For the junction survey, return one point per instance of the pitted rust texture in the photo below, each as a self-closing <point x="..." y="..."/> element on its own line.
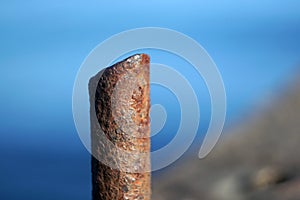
<point x="122" y="104"/>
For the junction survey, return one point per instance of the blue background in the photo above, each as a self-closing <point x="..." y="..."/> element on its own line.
<point x="255" y="44"/>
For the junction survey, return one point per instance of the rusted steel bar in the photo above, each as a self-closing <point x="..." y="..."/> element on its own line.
<point x="120" y="131"/>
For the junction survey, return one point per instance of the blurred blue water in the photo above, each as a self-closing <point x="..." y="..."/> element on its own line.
<point x="255" y="45"/>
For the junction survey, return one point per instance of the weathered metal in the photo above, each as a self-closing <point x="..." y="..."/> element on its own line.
<point x="120" y="130"/>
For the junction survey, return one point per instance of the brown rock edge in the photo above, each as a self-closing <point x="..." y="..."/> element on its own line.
<point x="120" y="104"/>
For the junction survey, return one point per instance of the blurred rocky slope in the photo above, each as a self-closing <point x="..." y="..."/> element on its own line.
<point x="257" y="160"/>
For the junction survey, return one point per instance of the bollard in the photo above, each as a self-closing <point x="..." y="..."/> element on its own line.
<point x="120" y="130"/>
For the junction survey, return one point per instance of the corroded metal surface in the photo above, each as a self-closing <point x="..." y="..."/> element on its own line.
<point x="120" y="130"/>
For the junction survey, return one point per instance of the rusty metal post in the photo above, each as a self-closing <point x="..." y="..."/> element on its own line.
<point x="120" y="131"/>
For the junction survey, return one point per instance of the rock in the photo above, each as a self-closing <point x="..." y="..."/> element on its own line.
<point x="265" y="149"/>
<point x="267" y="176"/>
